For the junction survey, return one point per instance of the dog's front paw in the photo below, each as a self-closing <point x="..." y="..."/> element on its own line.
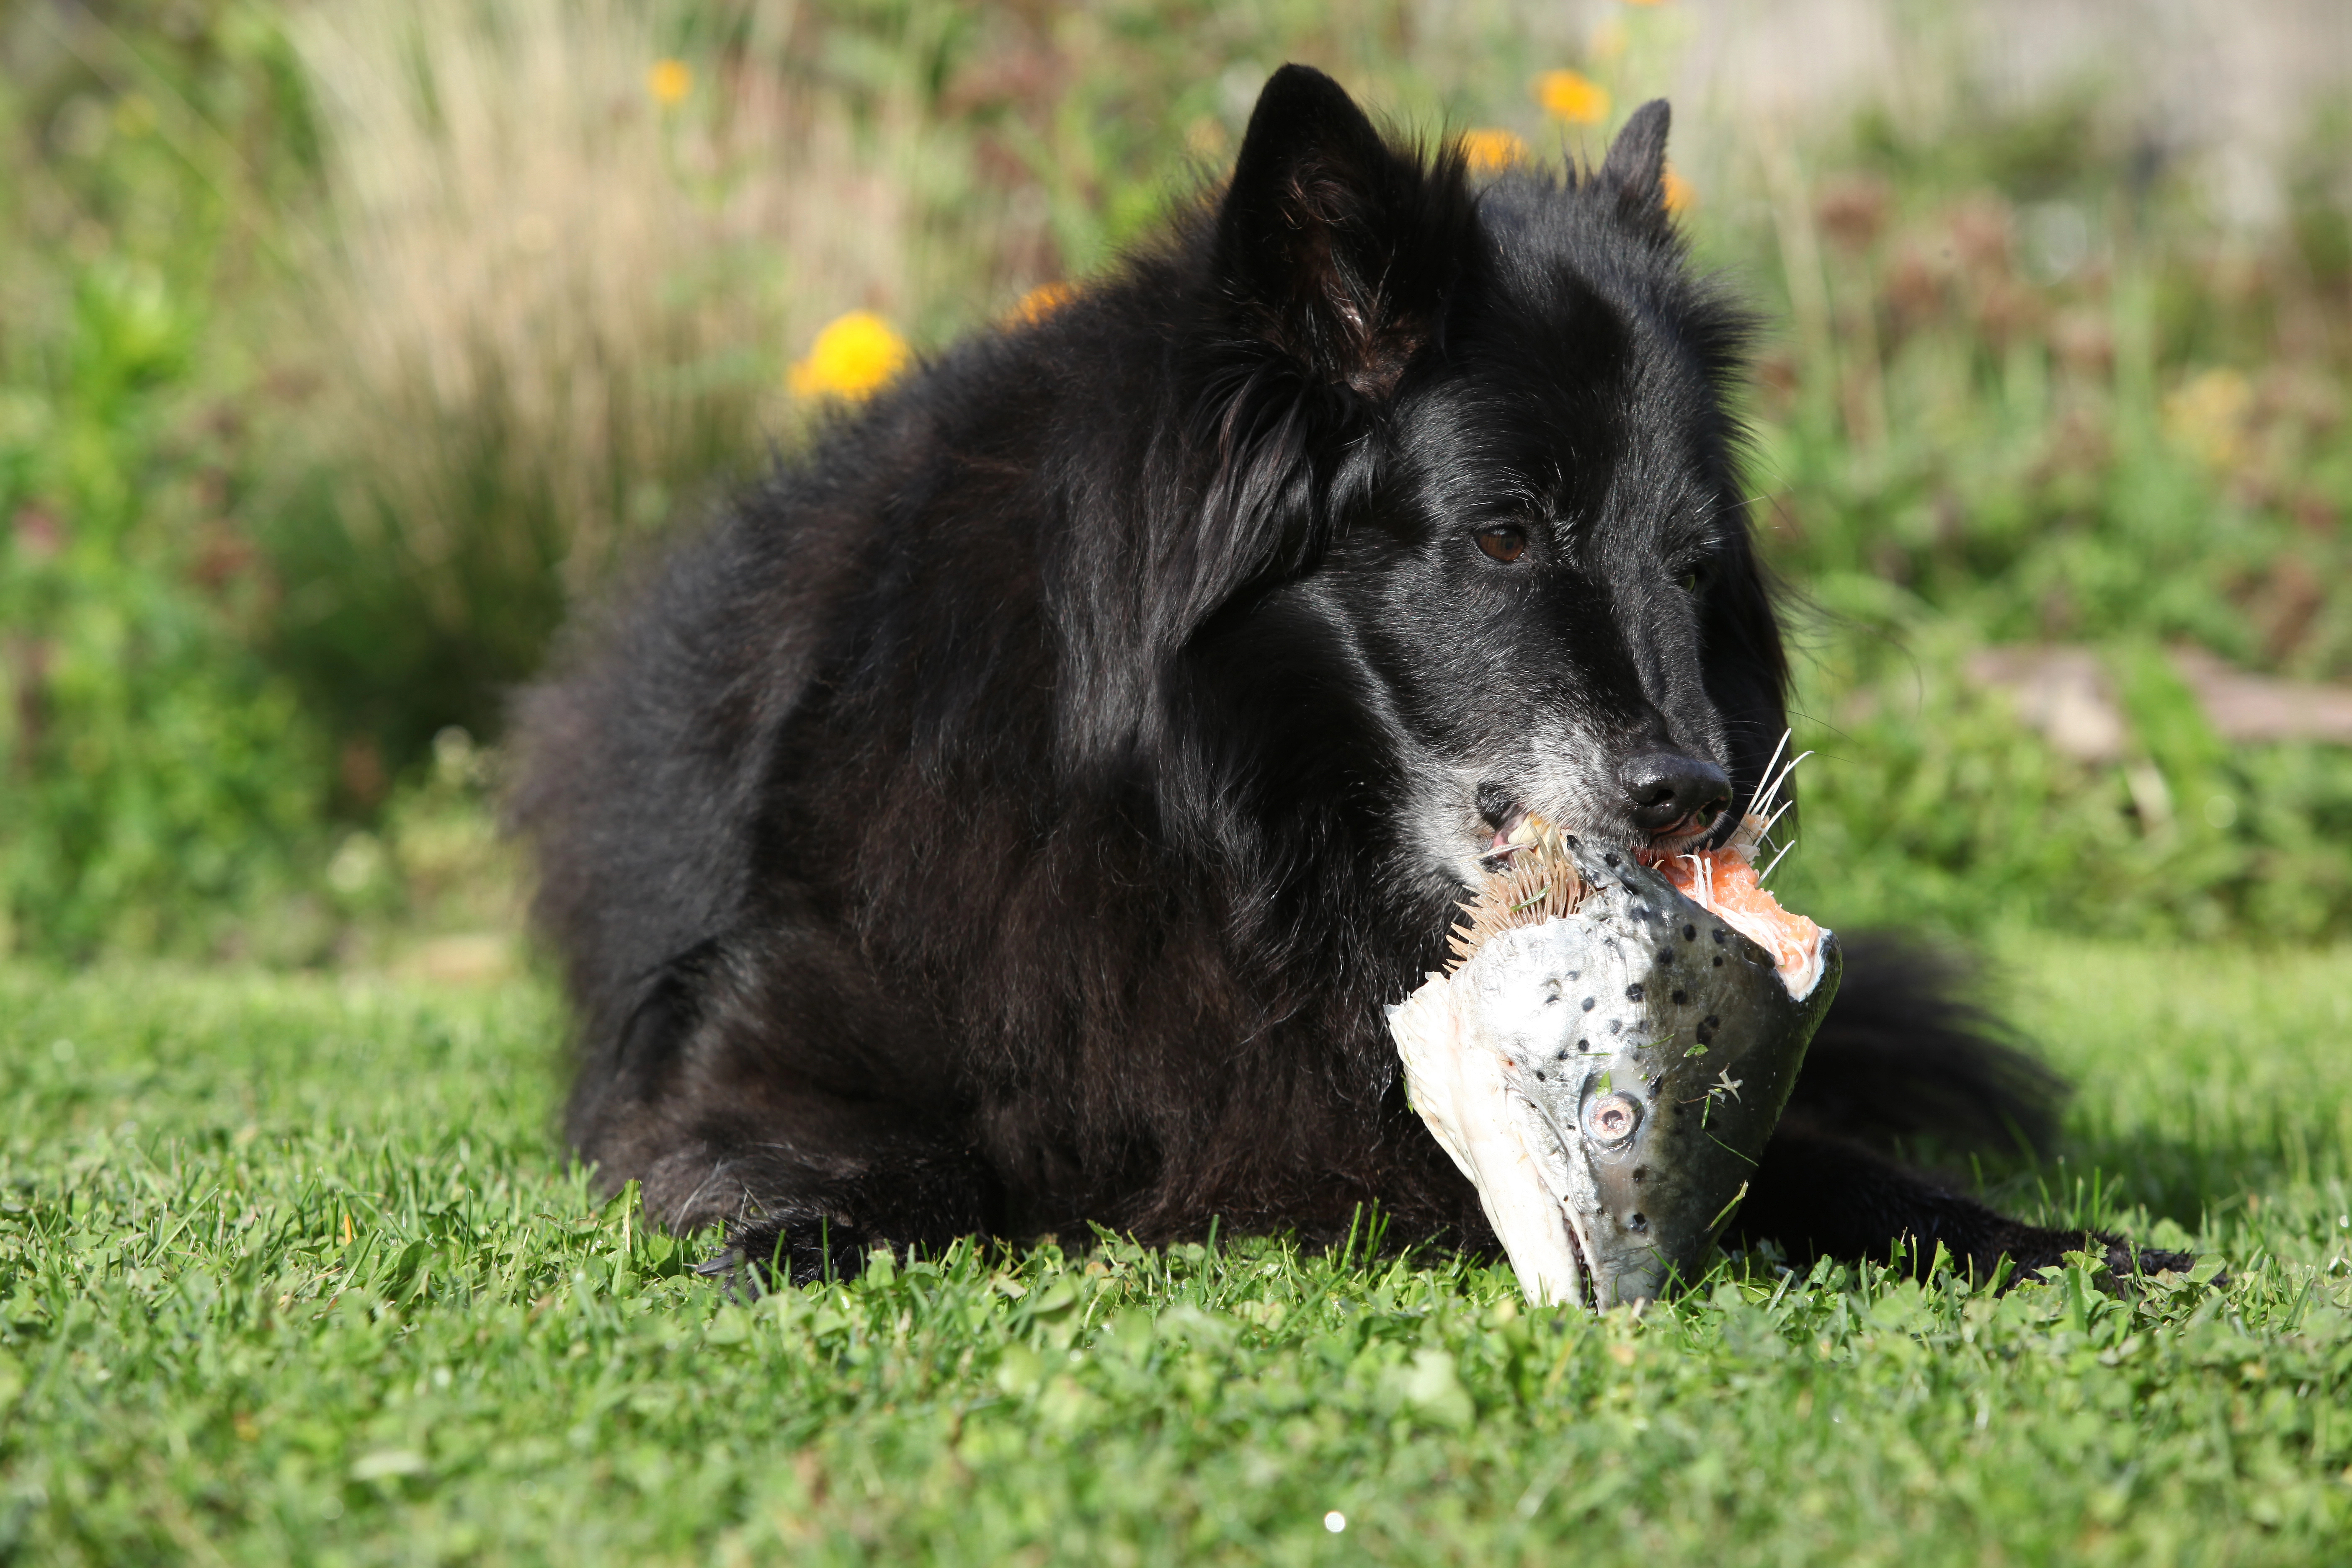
<point x="786" y="1251"/>
<point x="2124" y="1260"/>
<point x="2032" y="1249"/>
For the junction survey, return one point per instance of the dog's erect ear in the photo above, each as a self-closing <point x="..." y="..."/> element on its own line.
<point x="1635" y="169"/>
<point x="1337" y="248"/>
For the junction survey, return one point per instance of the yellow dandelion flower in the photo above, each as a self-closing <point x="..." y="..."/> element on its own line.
<point x="668" y="82"/>
<point x="1488" y="149"/>
<point x="1680" y="197"/>
<point x="1041" y="302"/>
<point x="855" y="355"/>
<point x="1572" y="96"/>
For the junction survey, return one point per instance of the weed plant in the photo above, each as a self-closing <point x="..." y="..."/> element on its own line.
<point x="2023" y="400"/>
<point x="158" y="771"/>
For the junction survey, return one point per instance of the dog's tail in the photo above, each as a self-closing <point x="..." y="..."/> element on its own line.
<point x="1905" y="1055"/>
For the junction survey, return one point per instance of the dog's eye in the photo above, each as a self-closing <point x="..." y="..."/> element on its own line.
<point x="1691" y="580"/>
<point x="1503" y="543"/>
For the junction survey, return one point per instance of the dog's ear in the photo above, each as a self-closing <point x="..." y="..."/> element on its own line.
<point x="1337" y="248"/>
<point x="1635" y="170"/>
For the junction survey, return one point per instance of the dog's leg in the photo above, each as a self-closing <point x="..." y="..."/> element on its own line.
<point x="1823" y="1197"/>
<point x="770" y="1091"/>
<point x="807" y="1184"/>
<point x="798" y="1220"/>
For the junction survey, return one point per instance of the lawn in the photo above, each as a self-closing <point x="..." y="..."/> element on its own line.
<point x="293" y="1270"/>
<point x="339" y="345"/>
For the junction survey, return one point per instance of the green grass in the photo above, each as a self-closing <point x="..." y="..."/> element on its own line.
<point x="293" y="1270"/>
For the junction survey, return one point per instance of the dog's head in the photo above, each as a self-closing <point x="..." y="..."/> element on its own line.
<point x="1481" y="434"/>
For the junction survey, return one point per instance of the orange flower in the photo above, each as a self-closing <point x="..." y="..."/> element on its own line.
<point x="669" y="81"/>
<point x="1041" y="302"/>
<point x="1572" y="96"/>
<point x="1489" y="148"/>
<point x="855" y="355"/>
<point x="1679" y="196"/>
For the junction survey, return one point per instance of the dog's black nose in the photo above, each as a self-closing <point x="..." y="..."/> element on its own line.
<point x="1663" y="789"/>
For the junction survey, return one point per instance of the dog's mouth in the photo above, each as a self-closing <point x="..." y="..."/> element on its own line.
<point x="1515" y="832"/>
<point x="1699" y="831"/>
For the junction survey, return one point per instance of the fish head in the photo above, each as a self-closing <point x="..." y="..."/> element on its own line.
<point x="1647" y="1051"/>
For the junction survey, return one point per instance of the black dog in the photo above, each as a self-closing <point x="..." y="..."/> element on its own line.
<point x="1017" y="812"/>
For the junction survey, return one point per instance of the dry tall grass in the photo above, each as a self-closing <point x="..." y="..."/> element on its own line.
<point x="555" y="298"/>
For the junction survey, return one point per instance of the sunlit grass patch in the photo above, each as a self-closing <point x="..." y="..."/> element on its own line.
<point x="295" y="1269"/>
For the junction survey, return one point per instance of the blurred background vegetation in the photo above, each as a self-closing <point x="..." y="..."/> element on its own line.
<point x="343" y="346"/>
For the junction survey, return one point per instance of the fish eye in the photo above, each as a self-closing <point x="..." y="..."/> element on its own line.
<point x="1612" y="1118"/>
<point x="1503" y="543"/>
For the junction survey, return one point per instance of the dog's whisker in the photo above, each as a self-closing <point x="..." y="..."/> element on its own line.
<point x="1772" y="762"/>
<point x="1781" y="780"/>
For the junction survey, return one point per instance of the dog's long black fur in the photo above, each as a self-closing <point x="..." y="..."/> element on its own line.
<point x="1017" y="812"/>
